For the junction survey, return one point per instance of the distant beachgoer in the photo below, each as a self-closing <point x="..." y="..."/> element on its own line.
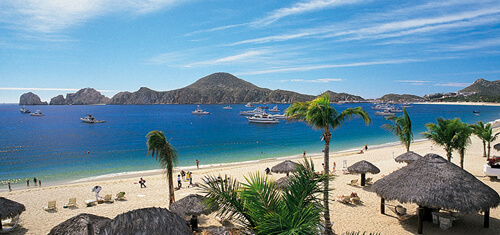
<point x="334" y="166"/>
<point x="179" y="183"/>
<point x="34" y="180"/>
<point x="28" y="182"/>
<point x="361" y="151"/>
<point x="187" y="175"/>
<point x="190" y="178"/>
<point x="142" y="182"/>
<point x="39" y="183"/>
<point x="197" y="164"/>
<point x="366" y="147"/>
<point x="267" y="171"/>
<point x="96" y="190"/>
<point x="183" y="174"/>
<point x="10" y="189"/>
<point x="304" y="153"/>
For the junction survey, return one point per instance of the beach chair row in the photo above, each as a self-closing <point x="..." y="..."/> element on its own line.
<point x="52" y="205"/>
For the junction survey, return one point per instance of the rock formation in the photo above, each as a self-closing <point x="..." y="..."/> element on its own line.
<point x="31" y="99"/>
<point x="58" y="100"/>
<point x="86" y="96"/>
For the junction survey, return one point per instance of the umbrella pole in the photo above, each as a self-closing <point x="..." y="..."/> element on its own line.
<point x="487" y="218"/>
<point x="90" y="229"/>
<point x="382" y="205"/>
<point x="420" y="214"/>
<point x="363" y="179"/>
<point x="1" y="223"/>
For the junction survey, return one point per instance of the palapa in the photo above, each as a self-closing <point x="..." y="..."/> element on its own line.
<point x="497" y="147"/>
<point x="282" y="182"/>
<point x="433" y="182"/>
<point x="79" y="225"/>
<point x="190" y="205"/>
<point x="10" y="209"/>
<point x="363" y="167"/>
<point x="150" y="220"/>
<point x="408" y="157"/>
<point x="286" y="166"/>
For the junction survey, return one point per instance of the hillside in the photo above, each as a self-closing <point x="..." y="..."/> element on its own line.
<point x="484" y="87"/>
<point x="400" y="98"/>
<point x="342" y="97"/>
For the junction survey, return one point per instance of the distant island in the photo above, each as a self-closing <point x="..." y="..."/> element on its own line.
<point x="225" y="88"/>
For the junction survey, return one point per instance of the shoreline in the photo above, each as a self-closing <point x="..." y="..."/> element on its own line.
<point x="461" y="103"/>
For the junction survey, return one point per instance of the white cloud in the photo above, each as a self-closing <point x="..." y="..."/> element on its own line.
<point x="413" y="82"/>
<point x="320" y="80"/>
<point x="453" y="84"/>
<point x="242" y="57"/>
<point x="44" y="89"/>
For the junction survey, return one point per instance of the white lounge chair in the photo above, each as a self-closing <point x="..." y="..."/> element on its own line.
<point x="71" y="203"/>
<point x="90" y="202"/>
<point x="108" y="198"/>
<point x="353" y="182"/>
<point x="51" y="206"/>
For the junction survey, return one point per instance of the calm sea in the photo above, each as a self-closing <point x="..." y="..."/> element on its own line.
<point x="59" y="148"/>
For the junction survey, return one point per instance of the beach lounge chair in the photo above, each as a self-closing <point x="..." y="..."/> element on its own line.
<point x="51" y="206"/>
<point x="400" y="212"/>
<point x="108" y="198"/>
<point x="356" y="200"/>
<point x="120" y="196"/>
<point x="369" y="181"/>
<point x="90" y="202"/>
<point x="9" y="224"/>
<point x="353" y="182"/>
<point x="344" y="199"/>
<point x="71" y="203"/>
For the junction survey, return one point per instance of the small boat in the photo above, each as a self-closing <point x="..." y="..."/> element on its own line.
<point x="279" y="116"/>
<point x="385" y="113"/>
<point x="395" y="110"/>
<point x="475" y="111"/>
<point x="263" y="118"/>
<point x="199" y="111"/>
<point x="380" y="107"/>
<point x="37" y="113"/>
<point x="274" y="109"/>
<point x="227" y="107"/>
<point x="24" y="110"/>
<point x="90" y="119"/>
<point x="249" y="105"/>
<point x="257" y="110"/>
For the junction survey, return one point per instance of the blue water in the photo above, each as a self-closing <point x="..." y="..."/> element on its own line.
<point x="54" y="147"/>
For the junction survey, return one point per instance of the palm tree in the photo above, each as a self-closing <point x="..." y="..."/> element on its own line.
<point x="402" y="128"/>
<point x="462" y="140"/>
<point x="261" y="208"/>
<point x="443" y="133"/>
<point x="321" y="115"/>
<point x="166" y="155"/>
<point x="485" y="133"/>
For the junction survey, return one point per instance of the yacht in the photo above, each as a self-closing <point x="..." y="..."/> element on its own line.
<point x="199" y="111"/>
<point x="263" y="118"/>
<point x="274" y="109"/>
<point x="90" y="119"/>
<point x="249" y="105"/>
<point x="257" y="110"/>
<point x="24" y="110"/>
<point x="393" y="109"/>
<point x="279" y="116"/>
<point x="227" y="107"/>
<point x="386" y="112"/>
<point x="37" y="113"/>
<point x="380" y="107"/>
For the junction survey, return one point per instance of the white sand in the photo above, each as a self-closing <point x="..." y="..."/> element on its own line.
<point x="365" y="217"/>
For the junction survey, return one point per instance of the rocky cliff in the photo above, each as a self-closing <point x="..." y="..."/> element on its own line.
<point x="58" y="100"/>
<point x="85" y="96"/>
<point x="400" y="98"/>
<point x="484" y="87"/>
<point x="30" y="99"/>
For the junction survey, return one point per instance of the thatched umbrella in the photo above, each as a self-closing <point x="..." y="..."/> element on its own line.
<point x="9" y="209"/>
<point x="497" y="147"/>
<point x="190" y="205"/>
<point x="282" y="182"/>
<point x="285" y="167"/>
<point x="81" y="224"/>
<point x="408" y="157"/>
<point x="433" y="182"/>
<point x="150" y="220"/>
<point x="363" y="167"/>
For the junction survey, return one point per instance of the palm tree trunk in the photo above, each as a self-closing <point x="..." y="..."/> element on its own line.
<point x="328" y="224"/>
<point x="484" y="148"/>
<point x="171" y="197"/>
<point x="462" y="156"/>
<point x="448" y="153"/>
<point x="489" y="149"/>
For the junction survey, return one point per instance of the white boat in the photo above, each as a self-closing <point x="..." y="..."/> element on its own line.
<point x="385" y="113"/>
<point x="37" y="113"/>
<point x="380" y="107"/>
<point x="279" y="116"/>
<point x="249" y="105"/>
<point x="199" y="111"/>
<point x="24" y="110"/>
<point x="257" y="110"/>
<point x="263" y="118"/>
<point x="395" y="110"/>
<point x="227" y="107"/>
<point x="90" y="119"/>
<point x="274" y="109"/>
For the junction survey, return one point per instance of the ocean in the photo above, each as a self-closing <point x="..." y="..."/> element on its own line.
<point x="58" y="148"/>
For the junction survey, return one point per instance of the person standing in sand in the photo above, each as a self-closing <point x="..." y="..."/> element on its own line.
<point x="304" y="154"/>
<point x="10" y="189"/>
<point x="28" y="183"/>
<point x="34" y="180"/>
<point x="142" y="182"/>
<point x="179" y="183"/>
<point x="197" y="164"/>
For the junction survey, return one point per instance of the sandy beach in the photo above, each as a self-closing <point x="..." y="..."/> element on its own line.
<point x="365" y="217"/>
<point x="461" y="103"/>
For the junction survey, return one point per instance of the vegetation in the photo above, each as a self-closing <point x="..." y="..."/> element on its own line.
<point x="485" y="133"/>
<point x="462" y="140"/>
<point x="166" y="155"/>
<point x="443" y="134"/>
<point x="319" y="114"/>
<point x="402" y="128"/>
<point x="261" y="208"/>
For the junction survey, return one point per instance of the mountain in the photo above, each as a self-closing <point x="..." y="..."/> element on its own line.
<point x="341" y="97"/>
<point x="217" y="88"/>
<point x="30" y="99"/>
<point x="84" y="96"/>
<point x="483" y="87"/>
<point x="400" y="98"/>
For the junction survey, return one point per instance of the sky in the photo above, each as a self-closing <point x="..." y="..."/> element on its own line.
<point x="362" y="47"/>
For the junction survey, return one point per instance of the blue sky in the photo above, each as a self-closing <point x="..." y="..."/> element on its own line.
<point x="363" y="47"/>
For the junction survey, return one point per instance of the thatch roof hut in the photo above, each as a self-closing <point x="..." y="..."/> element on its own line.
<point x="363" y="167"/>
<point x="497" y="147"/>
<point x="10" y="209"/>
<point x="190" y="205"/>
<point x="433" y="182"/>
<point x="146" y="221"/>
<point x="408" y="157"/>
<point x="285" y="167"/>
<point x="282" y="182"/>
<point x="79" y="225"/>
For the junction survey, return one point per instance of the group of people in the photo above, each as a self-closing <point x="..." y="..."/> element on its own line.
<point x="35" y="180"/>
<point x="187" y="176"/>
<point x="365" y="148"/>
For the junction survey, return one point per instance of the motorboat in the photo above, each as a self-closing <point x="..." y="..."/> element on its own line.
<point x="37" y="113"/>
<point x="199" y="111"/>
<point x="24" y="110"/>
<point x="263" y="118"/>
<point x="249" y="105"/>
<point x="257" y="110"/>
<point x="393" y="109"/>
<point x="227" y="107"/>
<point x="380" y="107"/>
<point x="385" y="113"/>
<point x="90" y="119"/>
<point x="475" y="111"/>
<point x="274" y="109"/>
<point x="279" y="116"/>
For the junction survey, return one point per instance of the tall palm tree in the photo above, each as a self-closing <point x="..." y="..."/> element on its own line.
<point x="443" y="133"/>
<point x="485" y="133"/>
<point x="402" y="128"/>
<point x="261" y="208"/>
<point x="319" y="114"/>
<point x="166" y="156"/>
<point x="462" y="140"/>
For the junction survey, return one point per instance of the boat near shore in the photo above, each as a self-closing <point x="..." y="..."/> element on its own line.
<point x="90" y="119"/>
<point x="263" y="118"/>
<point x="24" y="110"/>
<point x="199" y="111"/>
<point x="38" y="113"/>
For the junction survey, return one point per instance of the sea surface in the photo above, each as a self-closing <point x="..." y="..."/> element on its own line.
<point x="59" y="148"/>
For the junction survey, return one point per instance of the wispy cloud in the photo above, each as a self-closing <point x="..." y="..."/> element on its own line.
<point x="44" y="89"/>
<point x="320" y="80"/>
<point x="414" y="82"/>
<point x="453" y="84"/>
<point x="242" y="57"/>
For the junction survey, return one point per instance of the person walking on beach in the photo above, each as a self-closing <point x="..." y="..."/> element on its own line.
<point x="142" y="182"/>
<point x="10" y="189"/>
<point x="187" y="175"/>
<point x="34" y="180"/>
<point x="28" y="183"/>
<point x="197" y="164"/>
<point x="304" y="154"/>
<point x="366" y="147"/>
<point x="39" y="183"/>
<point x="179" y="183"/>
<point x="96" y="190"/>
<point x="183" y="174"/>
<point x="190" y="178"/>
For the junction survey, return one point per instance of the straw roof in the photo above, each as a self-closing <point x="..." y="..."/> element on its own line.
<point x="497" y="147"/>
<point x="434" y="182"/>
<point x="285" y="167"/>
<point x="363" y="167"/>
<point x="9" y="208"/>
<point x="150" y="220"/>
<point x="408" y="157"/>
<point x="282" y="182"/>
<point x="190" y="205"/>
<point x="78" y="225"/>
